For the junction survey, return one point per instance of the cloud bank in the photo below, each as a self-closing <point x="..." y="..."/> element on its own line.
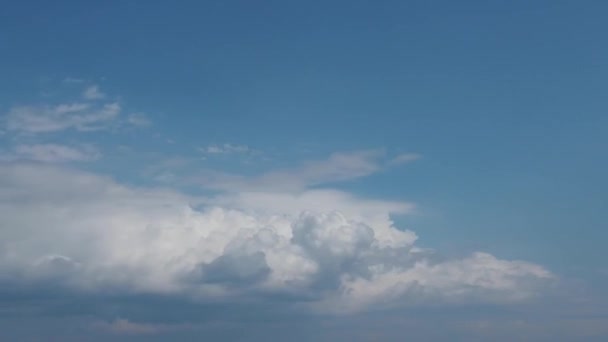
<point x="326" y="250"/>
<point x="280" y="239"/>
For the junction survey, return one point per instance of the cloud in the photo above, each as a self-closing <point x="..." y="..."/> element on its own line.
<point x="53" y="153"/>
<point x="404" y="158"/>
<point x="138" y="119"/>
<point x="225" y="149"/>
<point x="93" y="93"/>
<point x="125" y="327"/>
<point x="338" y="167"/>
<point x="46" y="118"/>
<point x="327" y="251"/>
<point x="73" y="80"/>
<point x="81" y="115"/>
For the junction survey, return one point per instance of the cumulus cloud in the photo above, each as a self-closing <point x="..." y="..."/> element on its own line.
<point x="327" y="250"/>
<point x="52" y="153"/>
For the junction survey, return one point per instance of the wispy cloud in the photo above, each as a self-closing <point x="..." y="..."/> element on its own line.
<point x="139" y="120"/>
<point x="125" y="327"/>
<point x="93" y="93"/>
<point x="404" y="158"/>
<point x="46" y="118"/>
<point x="73" y="80"/>
<point x="90" y="113"/>
<point x="225" y="149"/>
<point x="338" y="167"/>
<point x="54" y="153"/>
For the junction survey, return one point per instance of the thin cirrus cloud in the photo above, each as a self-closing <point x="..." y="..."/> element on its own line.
<point x="123" y="326"/>
<point x="338" y="167"/>
<point x="94" y="113"/>
<point x="139" y="120"/>
<point x="93" y="93"/>
<point x="226" y="148"/>
<point x="54" y="153"/>
<point x="48" y="118"/>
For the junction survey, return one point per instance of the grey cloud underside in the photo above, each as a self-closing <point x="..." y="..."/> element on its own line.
<point x="321" y="250"/>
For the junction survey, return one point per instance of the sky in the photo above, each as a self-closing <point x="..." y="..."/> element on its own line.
<point x="303" y="170"/>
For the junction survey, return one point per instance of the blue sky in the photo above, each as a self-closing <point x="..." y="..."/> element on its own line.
<point x="476" y="126"/>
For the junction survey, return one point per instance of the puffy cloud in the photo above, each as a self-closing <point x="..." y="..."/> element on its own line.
<point x="327" y="250"/>
<point x="318" y="201"/>
<point x="477" y="278"/>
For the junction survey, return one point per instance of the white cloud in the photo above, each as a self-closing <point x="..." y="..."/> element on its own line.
<point x="93" y="93"/>
<point x="125" y="327"/>
<point x="374" y="212"/>
<point x="54" y="153"/>
<point x="138" y="119"/>
<point x="45" y="118"/>
<point x="73" y="80"/>
<point x="404" y="158"/>
<point x="477" y="278"/>
<point x="225" y="149"/>
<point x="329" y="250"/>
<point x="81" y="115"/>
<point x="338" y="167"/>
